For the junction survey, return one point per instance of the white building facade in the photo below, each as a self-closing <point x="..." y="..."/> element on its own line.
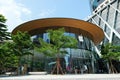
<point x="106" y="15"/>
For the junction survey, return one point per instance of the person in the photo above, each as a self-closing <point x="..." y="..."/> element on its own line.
<point x="22" y="70"/>
<point x="76" y="70"/>
<point x="68" y="68"/>
<point x="85" y="68"/>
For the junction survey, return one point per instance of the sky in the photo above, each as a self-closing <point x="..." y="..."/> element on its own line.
<point x="20" y="11"/>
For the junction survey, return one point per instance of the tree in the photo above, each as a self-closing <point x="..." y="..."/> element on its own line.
<point x="5" y="48"/>
<point x="3" y="29"/>
<point x="22" y="46"/>
<point x="7" y="58"/>
<point x="56" y="46"/>
<point x="110" y="52"/>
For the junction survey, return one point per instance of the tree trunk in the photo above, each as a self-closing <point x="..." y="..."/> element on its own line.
<point x="112" y="68"/>
<point x="108" y="67"/>
<point x="57" y="67"/>
<point x="19" y="66"/>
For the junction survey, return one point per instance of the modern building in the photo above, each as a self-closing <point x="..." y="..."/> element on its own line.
<point x="85" y="57"/>
<point x="95" y="3"/>
<point x="106" y="15"/>
<point x="104" y="20"/>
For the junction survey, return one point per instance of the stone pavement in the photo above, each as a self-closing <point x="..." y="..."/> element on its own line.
<point x="65" y="77"/>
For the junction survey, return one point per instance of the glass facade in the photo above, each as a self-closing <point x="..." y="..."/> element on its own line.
<point x="94" y="4"/>
<point x="116" y="40"/>
<point x="107" y="17"/>
<point x="85" y="55"/>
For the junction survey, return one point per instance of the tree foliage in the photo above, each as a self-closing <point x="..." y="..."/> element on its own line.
<point x="57" y="41"/>
<point x="110" y="52"/>
<point x="7" y="58"/>
<point x="2" y="18"/>
<point x="12" y="52"/>
<point x="3" y="29"/>
<point x="22" y="46"/>
<point x="22" y="43"/>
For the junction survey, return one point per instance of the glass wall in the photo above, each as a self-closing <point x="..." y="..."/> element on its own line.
<point x="82" y="60"/>
<point x="116" y="40"/>
<point x="77" y="59"/>
<point x="108" y="19"/>
<point x="94" y="4"/>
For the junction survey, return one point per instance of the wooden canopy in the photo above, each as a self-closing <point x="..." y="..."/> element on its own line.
<point x="76" y="26"/>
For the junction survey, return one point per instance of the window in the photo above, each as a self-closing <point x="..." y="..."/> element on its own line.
<point x="98" y="0"/>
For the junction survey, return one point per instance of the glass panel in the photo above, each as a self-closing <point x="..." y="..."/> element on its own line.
<point x="99" y="47"/>
<point x="102" y="24"/>
<point x="107" y="30"/>
<point x="116" y="40"/>
<point x="105" y="41"/>
<point x="104" y="13"/>
<point x="111" y="16"/>
<point x="117" y="22"/>
<point x="119" y="4"/>
<point x="96" y="19"/>
<point x="114" y="4"/>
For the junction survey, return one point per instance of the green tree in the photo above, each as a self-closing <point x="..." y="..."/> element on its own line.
<point x="56" y="46"/>
<point x="109" y="53"/>
<point x="5" y="49"/>
<point x="7" y="58"/>
<point x="22" y="46"/>
<point x="3" y="29"/>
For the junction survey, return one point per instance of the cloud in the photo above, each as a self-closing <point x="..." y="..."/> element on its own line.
<point x="13" y="12"/>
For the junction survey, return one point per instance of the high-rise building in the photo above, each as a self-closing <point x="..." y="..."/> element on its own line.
<point x="94" y="4"/>
<point x="106" y="15"/>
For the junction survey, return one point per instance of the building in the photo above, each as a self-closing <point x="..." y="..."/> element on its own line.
<point x="94" y="4"/>
<point x="87" y="34"/>
<point x="106" y="15"/>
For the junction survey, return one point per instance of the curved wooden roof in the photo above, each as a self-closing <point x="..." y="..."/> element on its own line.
<point x="76" y="26"/>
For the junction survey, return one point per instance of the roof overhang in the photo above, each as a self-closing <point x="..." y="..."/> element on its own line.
<point x="76" y="26"/>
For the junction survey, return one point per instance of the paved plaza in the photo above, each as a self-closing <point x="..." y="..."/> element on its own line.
<point x="65" y="77"/>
